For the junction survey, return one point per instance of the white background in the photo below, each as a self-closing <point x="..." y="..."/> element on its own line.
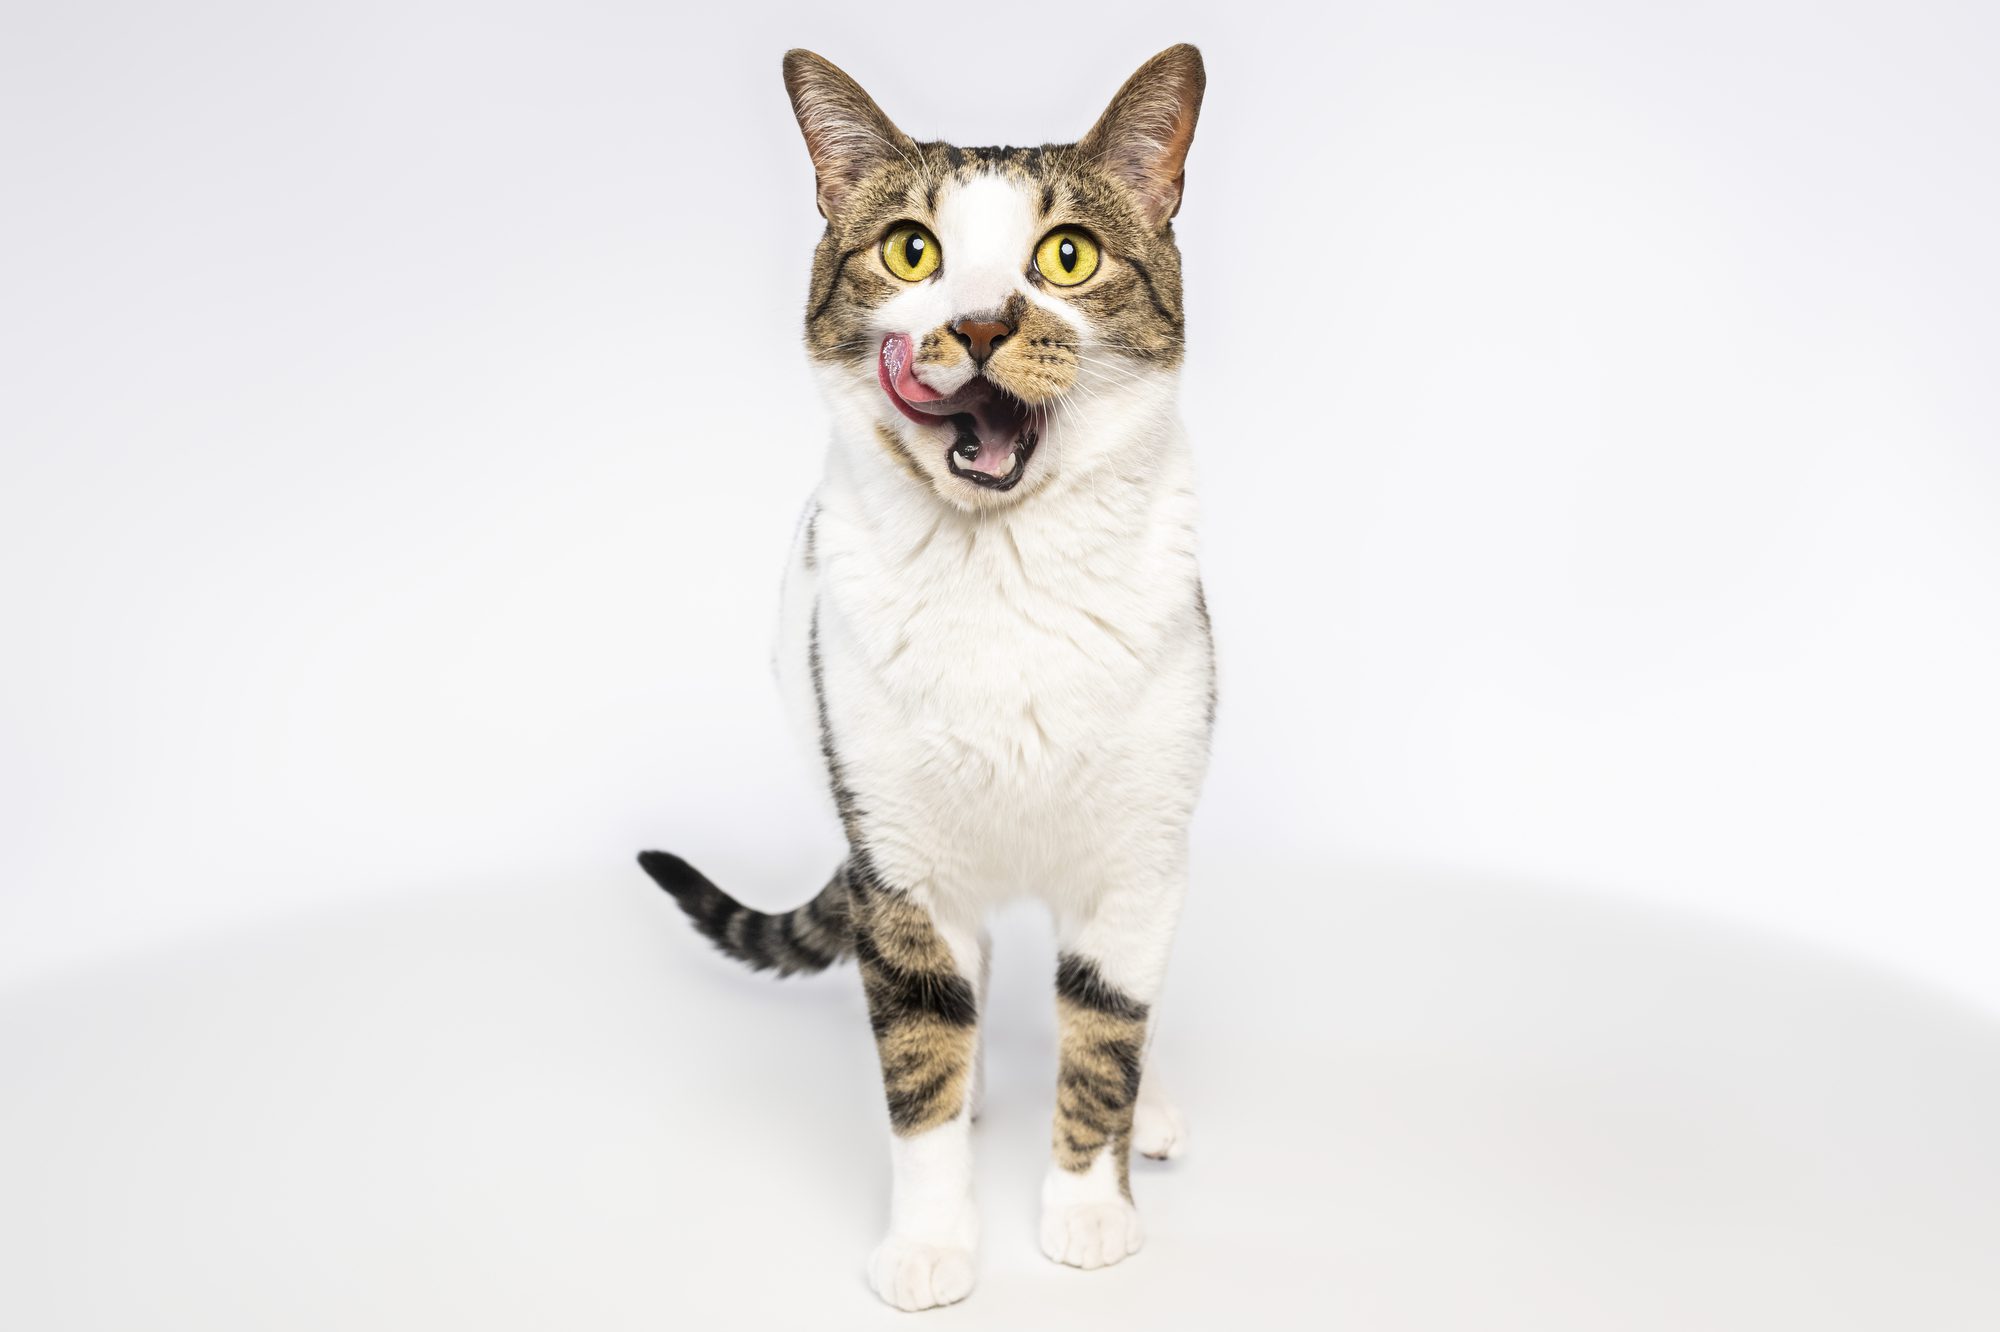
<point x="404" y="421"/>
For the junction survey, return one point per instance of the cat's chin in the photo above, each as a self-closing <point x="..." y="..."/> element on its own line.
<point x="992" y="434"/>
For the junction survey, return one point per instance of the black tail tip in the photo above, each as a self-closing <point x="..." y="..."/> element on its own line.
<point x="672" y="873"/>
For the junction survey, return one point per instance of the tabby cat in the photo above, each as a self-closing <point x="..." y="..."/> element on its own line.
<point x="993" y="628"/>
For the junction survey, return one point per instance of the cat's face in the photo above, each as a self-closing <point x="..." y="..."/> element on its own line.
<point x="975" y="305"/>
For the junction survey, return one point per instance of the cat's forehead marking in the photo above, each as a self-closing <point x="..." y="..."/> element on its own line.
<point x="989" y="207"/>
<point x="1028" y="159"/>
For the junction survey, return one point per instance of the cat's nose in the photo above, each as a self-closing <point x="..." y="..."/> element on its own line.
<point x="981" y="336"/>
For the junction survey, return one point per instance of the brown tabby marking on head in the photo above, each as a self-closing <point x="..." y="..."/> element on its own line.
<point x="1037" y="362"/>
<point x="1132" y="304"/>
<point x="939" y="347"/>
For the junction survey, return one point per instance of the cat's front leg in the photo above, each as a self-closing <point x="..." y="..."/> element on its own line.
<point x="921" y="976"/>
<point x="1108" y="976"/>
<point x="976" y="1097"/>
<point x="1159" y="1131"/>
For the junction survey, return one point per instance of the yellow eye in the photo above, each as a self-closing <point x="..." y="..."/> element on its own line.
<point x="1066" y="257"/>
<point x="910" y="252"/>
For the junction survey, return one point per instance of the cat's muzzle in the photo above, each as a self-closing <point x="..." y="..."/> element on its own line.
<point x="993" y="433"/>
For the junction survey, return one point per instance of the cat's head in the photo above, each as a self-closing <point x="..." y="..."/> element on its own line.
<point x="993" y="316"/>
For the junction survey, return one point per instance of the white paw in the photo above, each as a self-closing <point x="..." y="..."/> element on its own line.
<point x="1158" y="1131"/>
<point x="1091" y="1234"/>
<point x="913" y="1275"/>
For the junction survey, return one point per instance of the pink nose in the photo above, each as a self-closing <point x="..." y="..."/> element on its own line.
<point x="981" y="336"/>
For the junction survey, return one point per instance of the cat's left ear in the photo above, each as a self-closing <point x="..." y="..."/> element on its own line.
<point x="1143" y="136"/>
<point x="846" y="133"/>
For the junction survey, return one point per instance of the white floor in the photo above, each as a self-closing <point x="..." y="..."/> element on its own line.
<point x="1415" y="1104"/>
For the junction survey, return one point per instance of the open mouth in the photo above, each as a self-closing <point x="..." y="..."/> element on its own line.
<point x="993" y="433"/>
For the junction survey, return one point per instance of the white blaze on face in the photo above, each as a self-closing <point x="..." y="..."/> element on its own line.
<point x="986" y="227"/>
<point x="986" y="230"/>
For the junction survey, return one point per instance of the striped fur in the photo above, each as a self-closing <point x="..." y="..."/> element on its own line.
<point x="1012" y="687"/>
<point x="922" y="1009"/>
<point x="808" y="938"/>
<point x="1103" y="1045"/>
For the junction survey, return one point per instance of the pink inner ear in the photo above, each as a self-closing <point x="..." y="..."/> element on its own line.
<point x="1144" y="135"/>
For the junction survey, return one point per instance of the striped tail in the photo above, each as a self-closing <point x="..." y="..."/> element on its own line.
<point x="810" y="938"/>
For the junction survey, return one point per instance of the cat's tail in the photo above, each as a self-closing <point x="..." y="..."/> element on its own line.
<point x="810" y="938"/>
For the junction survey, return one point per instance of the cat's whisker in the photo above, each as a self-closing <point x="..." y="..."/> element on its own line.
<point x="1105" y="344"/>
<point x="1104" y="378"/>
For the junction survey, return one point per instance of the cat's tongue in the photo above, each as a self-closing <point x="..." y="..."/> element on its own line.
<point x="988" y="422"/>
<point x="898" y="374"/>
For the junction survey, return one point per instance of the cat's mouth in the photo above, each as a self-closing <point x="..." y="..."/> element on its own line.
<point x="993" y="433"/>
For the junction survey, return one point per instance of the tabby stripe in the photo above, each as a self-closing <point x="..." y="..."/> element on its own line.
<point x="1152" y="292"/>
<point x="843" y="799"/>
<point x="1103" y="1042"/>
<point x="910" y="1107"/>
<point x="763" y="940"/>
<point x="1079" y="982"/>
<point x="832" y="285"/>
<point x="922" y="1010"/>
<point x="903" y="993"/>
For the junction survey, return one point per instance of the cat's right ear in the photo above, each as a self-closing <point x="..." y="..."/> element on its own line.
<point x="846" y="133"/>
<point x="1143" y="136"/>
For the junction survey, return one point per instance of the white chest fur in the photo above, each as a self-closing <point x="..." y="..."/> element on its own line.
<point x="1019" y="701"/>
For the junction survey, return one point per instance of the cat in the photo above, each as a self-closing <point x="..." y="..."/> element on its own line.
<point x="994" y="630"/>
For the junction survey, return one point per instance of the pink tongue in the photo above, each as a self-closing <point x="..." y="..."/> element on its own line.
<point x="896" y="363"/>
<point x="996" y="435"/>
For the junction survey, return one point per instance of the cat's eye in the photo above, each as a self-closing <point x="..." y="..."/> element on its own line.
<point x="910" y="252"/>
<point x="1066" y="256"/>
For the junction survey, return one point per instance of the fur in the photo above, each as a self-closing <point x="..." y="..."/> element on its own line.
<point x="1012" y="690"/>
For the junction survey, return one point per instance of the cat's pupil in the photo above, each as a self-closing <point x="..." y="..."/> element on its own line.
<point x="1067" y="253"/>
<point x="913" y="250"/>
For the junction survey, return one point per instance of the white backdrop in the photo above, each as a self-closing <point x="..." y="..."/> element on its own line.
<point x="403" y="425"/>
<point x="403" y="422"/>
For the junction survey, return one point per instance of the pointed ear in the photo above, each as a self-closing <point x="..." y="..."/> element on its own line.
<point x="846" y="133"/>
<point x="1143" y="136"/>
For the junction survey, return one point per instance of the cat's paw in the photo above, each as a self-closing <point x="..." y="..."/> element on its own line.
<point x="1158" y="1131"/>
<point x="1091" y="1234"/>
<point x="913" y="1275"/>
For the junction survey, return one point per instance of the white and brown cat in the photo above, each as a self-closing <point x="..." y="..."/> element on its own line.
<point x="993" y="628"/>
